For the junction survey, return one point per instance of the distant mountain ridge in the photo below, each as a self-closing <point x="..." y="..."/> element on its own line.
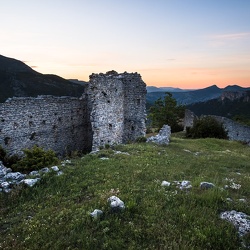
<point x="231" y="104"/>
<point x="18" y="79"/>
<point x="194" y="96"/>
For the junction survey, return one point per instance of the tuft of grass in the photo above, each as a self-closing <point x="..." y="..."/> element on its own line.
<point x="55" y="214"/>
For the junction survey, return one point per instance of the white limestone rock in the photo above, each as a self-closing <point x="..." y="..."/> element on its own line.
<point x="240" y="220"/>
<point x="4" y="170"/>
<point x="16" y="176"/>
<point x="34" y="173"/>
<point x="163" y="137"/>
<point x="5" y="184"/>
<point x="206" y="185"/>
<point x="59" y="173"/>
<point x="116" y="203"/>
<point x="44" y="170"/>
<point x="96" y="213"/>
<point x="185" y="185"/>
<point x="55" y="168"/>
<point x="31" y="182"/>
<point x="165" y="184"/>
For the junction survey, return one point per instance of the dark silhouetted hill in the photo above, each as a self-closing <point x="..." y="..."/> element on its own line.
<point x="18" y="79"/>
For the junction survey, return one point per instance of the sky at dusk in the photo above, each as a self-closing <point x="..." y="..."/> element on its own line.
<point x="173" y="43"/>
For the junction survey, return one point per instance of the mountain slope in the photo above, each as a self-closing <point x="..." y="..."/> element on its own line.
<point x="229" y="104"/>
<point x="18" y="79"/>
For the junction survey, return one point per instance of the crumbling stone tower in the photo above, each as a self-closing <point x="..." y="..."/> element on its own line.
<point x="117" y="107"/>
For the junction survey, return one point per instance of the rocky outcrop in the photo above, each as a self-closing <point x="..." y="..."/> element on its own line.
<point x="10" y="180"/>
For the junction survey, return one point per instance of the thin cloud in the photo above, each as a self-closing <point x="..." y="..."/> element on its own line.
<point x="232" y="36"/>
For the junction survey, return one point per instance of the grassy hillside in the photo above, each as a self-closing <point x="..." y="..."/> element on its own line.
<point x="55" y="214"/>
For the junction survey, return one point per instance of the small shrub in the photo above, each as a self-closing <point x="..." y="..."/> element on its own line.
<point x="35" y="159"/>
<point x="141" y="139"/>
<point x="206" y="127"/>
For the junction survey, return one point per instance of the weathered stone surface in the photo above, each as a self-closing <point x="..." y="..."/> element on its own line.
<point x="55" y="168"/>
<point x="206" y="185"/>
<point x="96" y="213"/>
<point x="235" y="130"/>
<point x="116" y="203"/>
<point x="117" y="103"/>
<point x="58" y="123"/>
<point x="163" y="137"/>
<point x="185" y="185"/>
<point x="112" y="111"/>
<point x="30" y="182"/>
<point x="15" y="176"/>
<point x="240" y="220"/>
<point x="44" y="170"/>
<point x="34" y="173"/>
<point x="165" y="184"/>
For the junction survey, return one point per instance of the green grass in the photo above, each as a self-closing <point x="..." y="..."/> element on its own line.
<point x="54" y="214"/>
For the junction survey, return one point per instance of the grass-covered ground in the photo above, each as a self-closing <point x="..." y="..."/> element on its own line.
<point x="55" y="213"/>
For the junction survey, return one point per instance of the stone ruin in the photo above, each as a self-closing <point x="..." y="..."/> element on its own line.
<point x="235" y="130"/>
<point x="112" y="110"/>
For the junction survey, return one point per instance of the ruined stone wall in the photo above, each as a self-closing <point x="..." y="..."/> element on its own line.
<point x="112" y="111"/>
<point x="188" y="119"/>
<point x="57" y="123"/>
<point x="134" y="106"/>
<point x="235" y="130"/>
<point x="117" y="103"/>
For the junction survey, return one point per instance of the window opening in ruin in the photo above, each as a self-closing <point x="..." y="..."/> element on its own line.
<point x="138" y="101"/>
<point x="43" y="122"/>
<point x="2" y="120"/>
<point x="32" y="136"/>
<point x="104" y="93"/>
<point x="15" y="125"/>
<point x="110" y="126"/>
<point x="132" y="128"/>
<point x="7" y="140"/>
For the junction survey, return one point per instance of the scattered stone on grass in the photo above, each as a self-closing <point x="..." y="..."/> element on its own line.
<point x="206" y="185"/>
<point x="185" y="185"/>
<point x="116" y="203"/>
<point x="30" y="182"/>
<point x="9" y="179"/>
<point x="55" y="168"/>
<point x="96" y="213"/>
<point x="241" y="222"/>
<point x="165" y="184"/>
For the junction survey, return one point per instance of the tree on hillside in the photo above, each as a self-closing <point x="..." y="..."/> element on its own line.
<point x="166" y="111"/>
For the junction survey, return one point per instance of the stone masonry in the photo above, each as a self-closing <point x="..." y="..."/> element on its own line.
<point x="112" y="111"/>
<point x="117" y="104"/>
<point x="235" y="130"/>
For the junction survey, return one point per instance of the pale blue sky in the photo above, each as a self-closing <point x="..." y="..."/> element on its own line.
<point x="179" y="43"/>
